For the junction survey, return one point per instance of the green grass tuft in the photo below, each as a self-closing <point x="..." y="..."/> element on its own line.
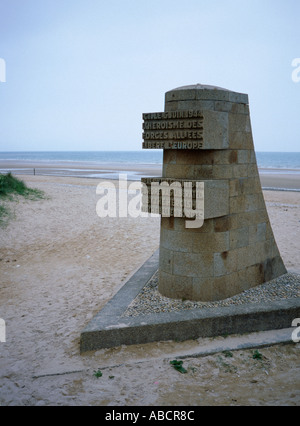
<point x="10" y="187"/>
<point x="257" y="355"/>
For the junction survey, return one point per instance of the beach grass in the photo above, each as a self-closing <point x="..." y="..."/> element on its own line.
<point x="10" y="185"/>
<point x="10" y="188"/>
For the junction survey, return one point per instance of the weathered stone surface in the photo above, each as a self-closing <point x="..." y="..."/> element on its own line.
<point x="235" y="248"/>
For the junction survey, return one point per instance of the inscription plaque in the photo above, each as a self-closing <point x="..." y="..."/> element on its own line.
<point x="191" y="129"/>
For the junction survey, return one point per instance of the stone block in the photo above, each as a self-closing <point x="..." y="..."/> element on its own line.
<point x="176" y="241"/>
<point x="178" y="287"/>
<point x="240" y="109"/>
<point x="221" y="285"/>
<point x="263" y="250"/>
<point x="234" y="188"/>
<point x="201" y="92"/>
<point x="179" y="225"/>
<point x="239" y="170"/>
<point x="222" y="224"/>
<point x="167" y="222"/>
<point x="239" y="238"/>
<point x="203" y="289"/>
<point x="172" y="106"/>
<point x="203" y="105"/>
<point x="202" y="171"/>
<point x="193" y="264"/>
<point x="252" y="157"/>
<point x="215" y="130"/>
<point x="224" y="157"/>
<point x="239" y="123"/>
<point x="225" y="263"/>
<point x="217" y="95"/>
<point x="169" y="156"/>
<point x="240" y="98"/>
<point x="251" y="202"/>
<point x="234" y="284"/>
<point x="245" y="257"/>
<point x="249" y="185"/>
<point x="244" y="156"/>
<point x="166" y="260"/>
<point x="252" y="170"/>
<point x="222" y="171"/>
<point x="180" y="95"/>
<point x="255" y="275"/>
<point x="240" y="140"/>
<point x="180" y="171"/>
<point x="243" y="279"/>
<point x="237" y="204"/>
<point x="194" y="157"/>
<point x="212" y="242"/>
<point x="216" y="198"/>
<point x="257" y="233"/>
<point x="223" y="106"/>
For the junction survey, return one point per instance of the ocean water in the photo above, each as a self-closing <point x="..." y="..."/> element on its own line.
<point x="99" y="157"/>
<point x="278" y="160"/>
<point x="265" y="160"/>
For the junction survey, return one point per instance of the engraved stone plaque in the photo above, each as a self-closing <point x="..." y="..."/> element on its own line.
<point x="192" y="129"/>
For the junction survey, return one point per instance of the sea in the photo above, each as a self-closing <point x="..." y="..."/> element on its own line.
<point x="268" y="162"/>
<point x="265" y="160"/>
<point x="115" y="157"/>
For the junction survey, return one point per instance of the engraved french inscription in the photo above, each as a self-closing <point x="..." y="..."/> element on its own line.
<point x="173" y="130"/>
<point x="172" y="145"/>
<point x="191" y="129"/>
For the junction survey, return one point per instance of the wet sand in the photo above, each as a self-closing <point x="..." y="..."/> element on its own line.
<point x="81" y="169"/>
<point x="270" y="178"/>
<point x="280" y="180"/>
<point x="61" y="263"/>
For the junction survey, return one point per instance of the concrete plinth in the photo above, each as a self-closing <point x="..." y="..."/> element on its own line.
<point x="110" y="328"/>
<point x="206" y="136"/>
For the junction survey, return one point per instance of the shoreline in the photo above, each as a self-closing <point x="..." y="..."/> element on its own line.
<point x="271" y="178"/>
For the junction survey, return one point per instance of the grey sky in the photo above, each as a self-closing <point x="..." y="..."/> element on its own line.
<point x="80" y="73"/>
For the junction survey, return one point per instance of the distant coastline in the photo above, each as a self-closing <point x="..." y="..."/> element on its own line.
<point x="265" y="160"/>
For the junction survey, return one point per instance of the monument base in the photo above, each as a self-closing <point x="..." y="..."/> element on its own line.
<point x="110" y="328"/>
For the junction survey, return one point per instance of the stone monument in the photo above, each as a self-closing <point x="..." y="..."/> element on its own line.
<point x="206" y="137"/>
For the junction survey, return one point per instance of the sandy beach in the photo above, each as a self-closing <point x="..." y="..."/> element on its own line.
<point x="60" y="263"/>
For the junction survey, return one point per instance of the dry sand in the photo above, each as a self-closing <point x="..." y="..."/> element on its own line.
<point x="60" y="263"/>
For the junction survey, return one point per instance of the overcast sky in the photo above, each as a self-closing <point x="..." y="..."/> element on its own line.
<point x="80" y="73"/>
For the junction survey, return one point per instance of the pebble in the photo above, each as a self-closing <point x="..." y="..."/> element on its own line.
<point x="150" y="301"/>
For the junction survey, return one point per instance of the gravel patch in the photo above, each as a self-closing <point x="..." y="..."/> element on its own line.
<point x="150" y="301"/>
